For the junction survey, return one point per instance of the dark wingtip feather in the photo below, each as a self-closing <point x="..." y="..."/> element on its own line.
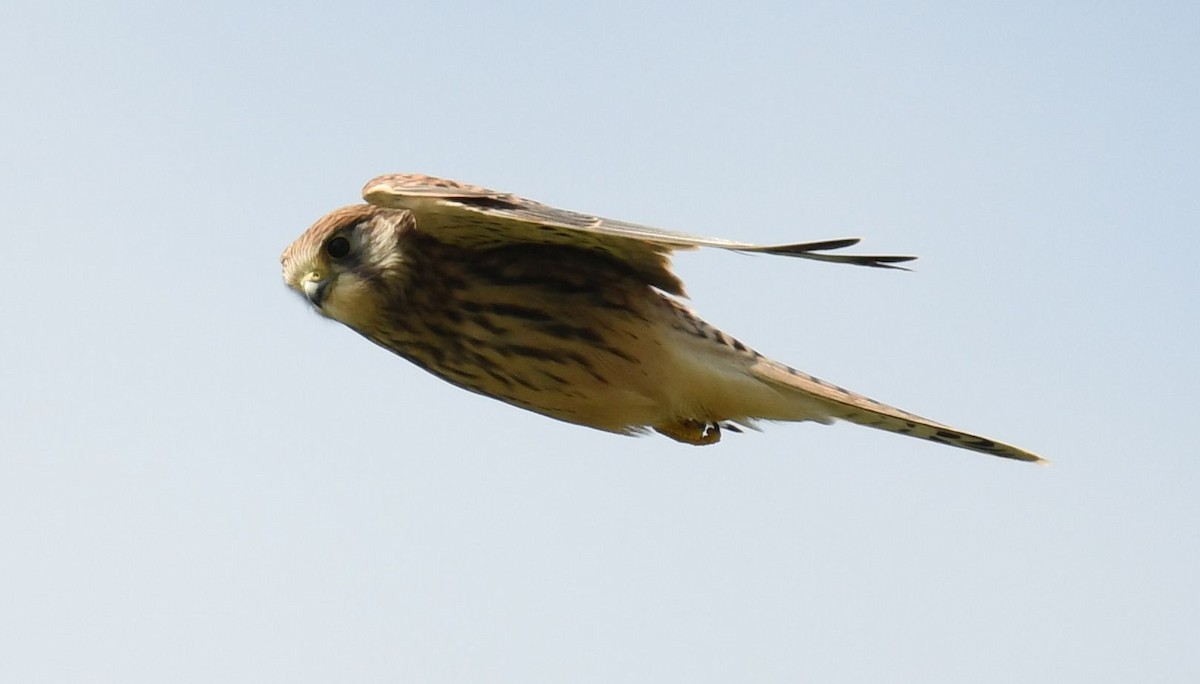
<point x="813" y="250"/>
<point x="873" y="261"/>
<point x="804" y="247"/>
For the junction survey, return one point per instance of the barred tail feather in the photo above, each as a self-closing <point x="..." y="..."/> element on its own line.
<point x="856" y="408"/>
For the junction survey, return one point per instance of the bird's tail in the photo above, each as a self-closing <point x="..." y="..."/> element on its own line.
<point x="846" y="405"/>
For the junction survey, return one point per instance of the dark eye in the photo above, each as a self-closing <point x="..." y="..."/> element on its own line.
<point x="338" y="247"/>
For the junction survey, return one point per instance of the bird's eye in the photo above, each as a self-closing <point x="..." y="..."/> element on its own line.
<point x="338" y="247"/>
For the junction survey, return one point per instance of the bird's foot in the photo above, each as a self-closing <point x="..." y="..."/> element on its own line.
<point x="690" y="431"/>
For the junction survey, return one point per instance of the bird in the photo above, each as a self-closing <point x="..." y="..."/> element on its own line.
<point x="572" y="316"/>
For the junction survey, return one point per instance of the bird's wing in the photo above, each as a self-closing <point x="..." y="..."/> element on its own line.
<point x="469" y="215"/>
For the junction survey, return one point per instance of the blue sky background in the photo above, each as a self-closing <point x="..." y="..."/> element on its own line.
<point x="201" y="480"/>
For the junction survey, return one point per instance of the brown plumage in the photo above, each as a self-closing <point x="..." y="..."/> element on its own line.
<point x="572" y="316"/>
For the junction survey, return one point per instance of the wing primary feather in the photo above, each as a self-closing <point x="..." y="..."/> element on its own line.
<point x="817" y="246"/>
<point x="809" y="250"/>
<point x="859" y="260"/>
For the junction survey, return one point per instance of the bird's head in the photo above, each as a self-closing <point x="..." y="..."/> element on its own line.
<point x="345" y="263"/>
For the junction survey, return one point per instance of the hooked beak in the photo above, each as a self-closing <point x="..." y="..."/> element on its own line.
<point x="315" y="289"/>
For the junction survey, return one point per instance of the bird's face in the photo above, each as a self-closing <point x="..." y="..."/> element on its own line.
<point x="347" y="263"/>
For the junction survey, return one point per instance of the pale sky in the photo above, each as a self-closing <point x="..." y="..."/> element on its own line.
<point x="203" y="481"/>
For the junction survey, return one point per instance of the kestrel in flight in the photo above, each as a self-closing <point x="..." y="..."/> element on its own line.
<point x="572" y="316"/>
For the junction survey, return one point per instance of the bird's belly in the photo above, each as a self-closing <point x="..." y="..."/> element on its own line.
<point x="573" y="337"/>
<point x="612" y="381"/>
<point x="573" y="351"/>
<point x="628" y="375"/>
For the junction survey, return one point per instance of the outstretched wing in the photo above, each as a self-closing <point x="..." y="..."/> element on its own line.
<point x="471" y="216"/>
